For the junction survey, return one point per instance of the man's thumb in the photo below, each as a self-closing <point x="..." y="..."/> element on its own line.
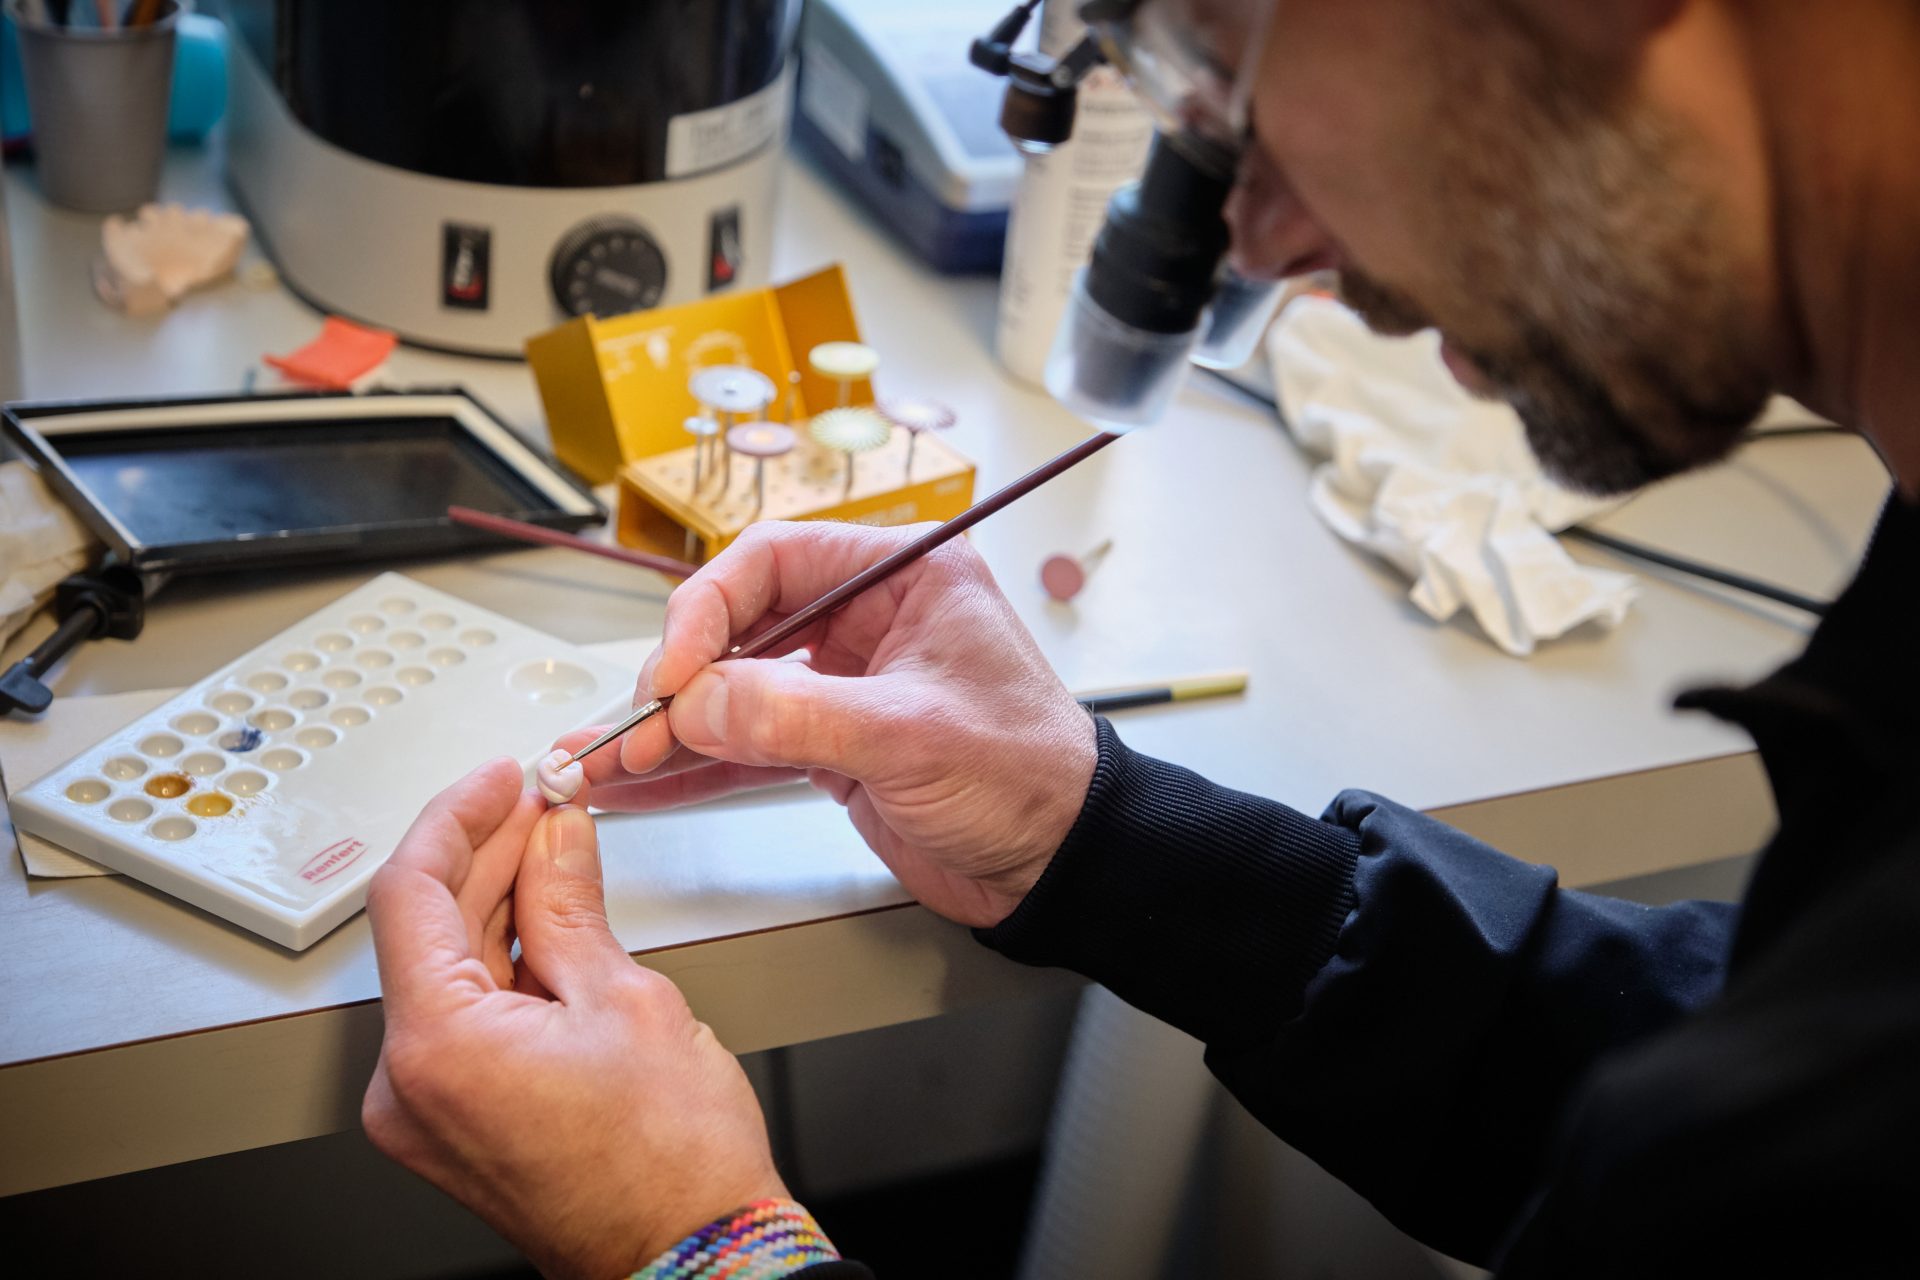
<point x="560" y="906"/>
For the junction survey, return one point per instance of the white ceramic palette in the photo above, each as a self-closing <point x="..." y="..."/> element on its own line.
<point x="270" y="791"/>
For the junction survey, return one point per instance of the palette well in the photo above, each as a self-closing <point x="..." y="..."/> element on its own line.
<point x="269" y="792"/>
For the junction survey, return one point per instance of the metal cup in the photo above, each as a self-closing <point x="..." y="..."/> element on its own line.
<point x="99" y="104"/>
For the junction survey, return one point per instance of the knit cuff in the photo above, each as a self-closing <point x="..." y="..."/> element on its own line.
<point x="1206" y="907"/>
<point x="766" y="1240"/>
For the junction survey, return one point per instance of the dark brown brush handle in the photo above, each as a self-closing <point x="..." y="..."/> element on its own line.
<point x="883" y="569"/>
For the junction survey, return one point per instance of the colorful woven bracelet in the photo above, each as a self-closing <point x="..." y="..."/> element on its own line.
<point x="764" y="1241"/>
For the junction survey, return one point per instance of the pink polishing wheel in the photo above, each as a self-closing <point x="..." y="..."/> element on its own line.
<point x="1062" y="577"/>
<point x="761" y="439"/>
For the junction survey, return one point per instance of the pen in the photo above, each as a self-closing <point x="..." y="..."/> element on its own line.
<point x="1184" y="689"/>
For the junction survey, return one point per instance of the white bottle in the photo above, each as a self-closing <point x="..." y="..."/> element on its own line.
<point x="1062" y="200"/>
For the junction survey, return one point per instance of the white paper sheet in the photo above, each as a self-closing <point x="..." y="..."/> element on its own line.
<point x="40" y="543"/>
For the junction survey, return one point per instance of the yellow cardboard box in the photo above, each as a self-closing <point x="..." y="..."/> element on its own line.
<point x="616" y="399"/>
<point x="660" y="511"/>
<point x="615" y="390"/>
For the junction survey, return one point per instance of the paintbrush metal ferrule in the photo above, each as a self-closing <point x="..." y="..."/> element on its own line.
<point x="642" y="713"/>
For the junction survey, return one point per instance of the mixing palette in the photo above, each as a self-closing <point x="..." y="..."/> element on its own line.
<point x="270" y="791"/>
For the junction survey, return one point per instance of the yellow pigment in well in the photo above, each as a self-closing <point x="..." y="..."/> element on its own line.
<point x="210" y="805"/>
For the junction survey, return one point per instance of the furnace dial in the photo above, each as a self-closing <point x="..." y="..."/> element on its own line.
<point x="607" y="266"/>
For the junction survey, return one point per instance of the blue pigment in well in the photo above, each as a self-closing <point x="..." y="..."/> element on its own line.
<point x="241" y="740"/>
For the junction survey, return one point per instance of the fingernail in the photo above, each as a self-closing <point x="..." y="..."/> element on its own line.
<point x="630" y="758"/>
<point x="571" y="844"/>
<point x="646" y="676"/>
<point x="703" y="708"/>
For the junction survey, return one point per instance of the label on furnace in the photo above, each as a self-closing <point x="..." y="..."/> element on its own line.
<point x="702" y="140"/>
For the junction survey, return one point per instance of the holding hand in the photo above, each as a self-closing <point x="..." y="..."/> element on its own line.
<point x="924" y="707"/>
<point x="569" y="1097"/>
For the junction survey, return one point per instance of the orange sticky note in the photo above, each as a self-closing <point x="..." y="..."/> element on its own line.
<point x="343" y="353"/>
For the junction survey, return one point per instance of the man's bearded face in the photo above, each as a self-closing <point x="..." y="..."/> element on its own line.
<point x="1570" y="253"/>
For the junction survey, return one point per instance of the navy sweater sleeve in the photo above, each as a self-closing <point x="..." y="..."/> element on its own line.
<point x="1397" y="1000"/>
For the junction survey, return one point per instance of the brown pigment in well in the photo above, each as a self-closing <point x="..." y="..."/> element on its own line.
<point x="210" y="805"/>
<point x="166" y="786"/>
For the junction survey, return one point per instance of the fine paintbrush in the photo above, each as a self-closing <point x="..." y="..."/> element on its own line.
<point x="877" y="572"/>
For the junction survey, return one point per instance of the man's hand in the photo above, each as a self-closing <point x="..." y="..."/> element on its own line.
<point x="569" y="1097"/>
<point x="923" y="706"/>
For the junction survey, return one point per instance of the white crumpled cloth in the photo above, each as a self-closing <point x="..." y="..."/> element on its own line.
<point x="1438" y="484"/>
<point x="40" y="543"/>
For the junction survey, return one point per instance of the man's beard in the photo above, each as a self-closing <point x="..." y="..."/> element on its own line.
<point x="1574" y="425"/>
<point x="1586" y="281"/>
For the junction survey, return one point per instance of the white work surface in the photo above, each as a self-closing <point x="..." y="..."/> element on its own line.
<point x="139" y="1032"/>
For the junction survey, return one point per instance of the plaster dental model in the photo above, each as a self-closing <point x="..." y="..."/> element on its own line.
<point x="152" y="260"/>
